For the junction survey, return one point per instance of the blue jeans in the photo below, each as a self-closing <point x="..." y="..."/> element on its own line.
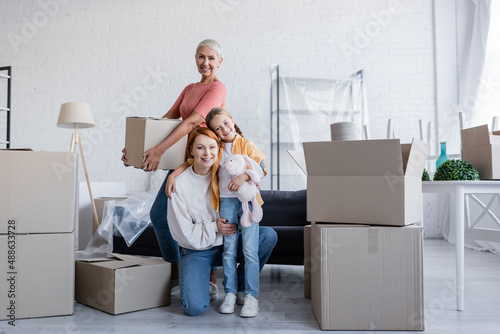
<point x="168" y="246"/>
<point x="231" y="209"/>
<point x="195" y="265"/>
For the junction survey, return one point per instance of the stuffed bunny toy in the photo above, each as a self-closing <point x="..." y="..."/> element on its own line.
<point x="236" y="165"/>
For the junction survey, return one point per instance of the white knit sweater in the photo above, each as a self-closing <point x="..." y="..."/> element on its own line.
<point x="191" y="218"/>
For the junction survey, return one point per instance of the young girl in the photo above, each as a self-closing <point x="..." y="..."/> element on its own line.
<point x="221" y="122"/>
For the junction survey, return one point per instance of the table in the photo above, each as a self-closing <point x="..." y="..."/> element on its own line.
<point x="457" y="216"/>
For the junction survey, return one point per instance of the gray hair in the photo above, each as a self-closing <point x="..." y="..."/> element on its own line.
<point x="212" y="44"/>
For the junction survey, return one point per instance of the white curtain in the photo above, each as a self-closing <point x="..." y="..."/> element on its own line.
<point x="479" y="82"/>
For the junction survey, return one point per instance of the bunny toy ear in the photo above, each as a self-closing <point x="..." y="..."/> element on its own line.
<point x="253" y="166"/>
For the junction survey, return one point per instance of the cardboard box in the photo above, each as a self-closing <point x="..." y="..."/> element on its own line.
<point x="123" y="283"/>
<point x="142" y="133"/>
<point x="38" y="190"/>
<point x="99" y="206"/>
<point x="482" y="150"/>
<point x="39" y="281"/>
<point x="307" y="261"/>
<point x="368" y="277"/>
<point x="375" y="182"/>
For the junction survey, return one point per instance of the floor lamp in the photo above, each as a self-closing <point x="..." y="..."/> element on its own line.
<point x="76" y="115"/>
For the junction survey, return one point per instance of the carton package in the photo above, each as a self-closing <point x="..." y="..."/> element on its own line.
<point x="142" y="133"/>
<point x="41" y="280"/>
<point x="374" y="182"/>
<point x="368" y="277"/>
<point x="123" y="283"/>
<point x="37" y="238"/>
<point x="307" y="261"/>
<point x="482" y="150"/>
<point x="38" y="190"/>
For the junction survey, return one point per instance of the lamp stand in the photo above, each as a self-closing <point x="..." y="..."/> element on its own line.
<point x="75" y="138"/>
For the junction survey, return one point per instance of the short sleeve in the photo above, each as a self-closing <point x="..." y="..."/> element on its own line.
<point x="215" y="96"/>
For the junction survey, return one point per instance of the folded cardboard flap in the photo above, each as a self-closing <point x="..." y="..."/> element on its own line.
<point x="116" y="261"/>
<point x="479" y="136"/>
<point x="364" y="158"/>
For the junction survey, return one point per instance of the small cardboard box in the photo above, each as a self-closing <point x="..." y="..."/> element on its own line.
<point x="38" y="277"/>
<point x="375" y="182"/>
<point x="123" y="283"/>
<point x="38" y="190"/>
<point x="307" y="261"/>
<point x="142" y="133"/>
<point x="482" y="150"/>
<point x="368" y="277"/>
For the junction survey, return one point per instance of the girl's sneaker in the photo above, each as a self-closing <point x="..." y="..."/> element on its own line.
<point x="228" y="304"/>
<point x="250" y="307"/>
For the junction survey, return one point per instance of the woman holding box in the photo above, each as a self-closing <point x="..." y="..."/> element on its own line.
<point x="193" y="104"/>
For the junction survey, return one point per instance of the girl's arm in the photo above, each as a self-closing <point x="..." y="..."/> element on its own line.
<point x="170" y="186"/>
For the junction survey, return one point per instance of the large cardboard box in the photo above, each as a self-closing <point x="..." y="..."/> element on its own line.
<point x="482" y="150"/>
<point x="374" y="182"/>
<point x="123" y="283"/>
<point x="142" y="133"/>
<point x="368" y="277"/>
<point x="38" y="190"/>
<point x="38" y="275"/>
<point x="307" y="261"/>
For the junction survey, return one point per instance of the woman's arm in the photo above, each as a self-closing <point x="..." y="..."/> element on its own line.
<point x="153" y="155"/>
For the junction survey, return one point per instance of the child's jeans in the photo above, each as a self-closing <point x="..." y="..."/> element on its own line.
<point x="230" y="209"/>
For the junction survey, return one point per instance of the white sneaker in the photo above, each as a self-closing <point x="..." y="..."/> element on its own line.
<point x="213" y="292"/>
<point x="250" y="307"/>
<point x="240" y="298"/>
<point x="228" y="304"/>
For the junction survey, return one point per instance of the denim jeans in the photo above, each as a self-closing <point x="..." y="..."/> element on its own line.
<point x="168" y="246"/>
<point x="231" y="209"/>
<point x="195" y="265"/>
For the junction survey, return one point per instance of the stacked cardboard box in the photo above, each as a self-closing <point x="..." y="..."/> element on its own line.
<point x="365" y="255"/>
<point x="37" y="233"/>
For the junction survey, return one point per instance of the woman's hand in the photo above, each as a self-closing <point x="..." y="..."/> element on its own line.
<point x="237" y="182"/>
<point x="151" y="159"/>
<point x="225" y="228"/>
<point x="124" y="158"/>
<point x="170" y="186"/>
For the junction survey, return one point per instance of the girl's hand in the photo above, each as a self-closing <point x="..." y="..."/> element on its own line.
<point x="225" y="228"/>
<point x="237" y="182"/>
<point x="170" y="186"/>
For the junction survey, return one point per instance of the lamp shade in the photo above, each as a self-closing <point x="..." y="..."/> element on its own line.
<point x="75" y="114"/>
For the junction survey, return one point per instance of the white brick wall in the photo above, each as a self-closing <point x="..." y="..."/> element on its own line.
<point x="127" y="57"/>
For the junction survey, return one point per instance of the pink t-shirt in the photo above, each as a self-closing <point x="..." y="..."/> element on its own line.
<point x="200" y="98"/>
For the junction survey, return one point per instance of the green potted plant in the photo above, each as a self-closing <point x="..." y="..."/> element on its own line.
<point x="456" y="170"/>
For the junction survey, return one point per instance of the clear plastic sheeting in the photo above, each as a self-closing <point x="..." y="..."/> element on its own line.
<point x="302" y="110"/>
<point x="127" y="218"/>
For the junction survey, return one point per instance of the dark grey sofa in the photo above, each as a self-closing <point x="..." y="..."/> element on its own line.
<point x="284" y="211"/>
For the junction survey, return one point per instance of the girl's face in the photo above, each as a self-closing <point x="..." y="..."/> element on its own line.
<point x="207" y="62"/>
<point x="204" y="151"/>
<point x="223" y="126"/>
